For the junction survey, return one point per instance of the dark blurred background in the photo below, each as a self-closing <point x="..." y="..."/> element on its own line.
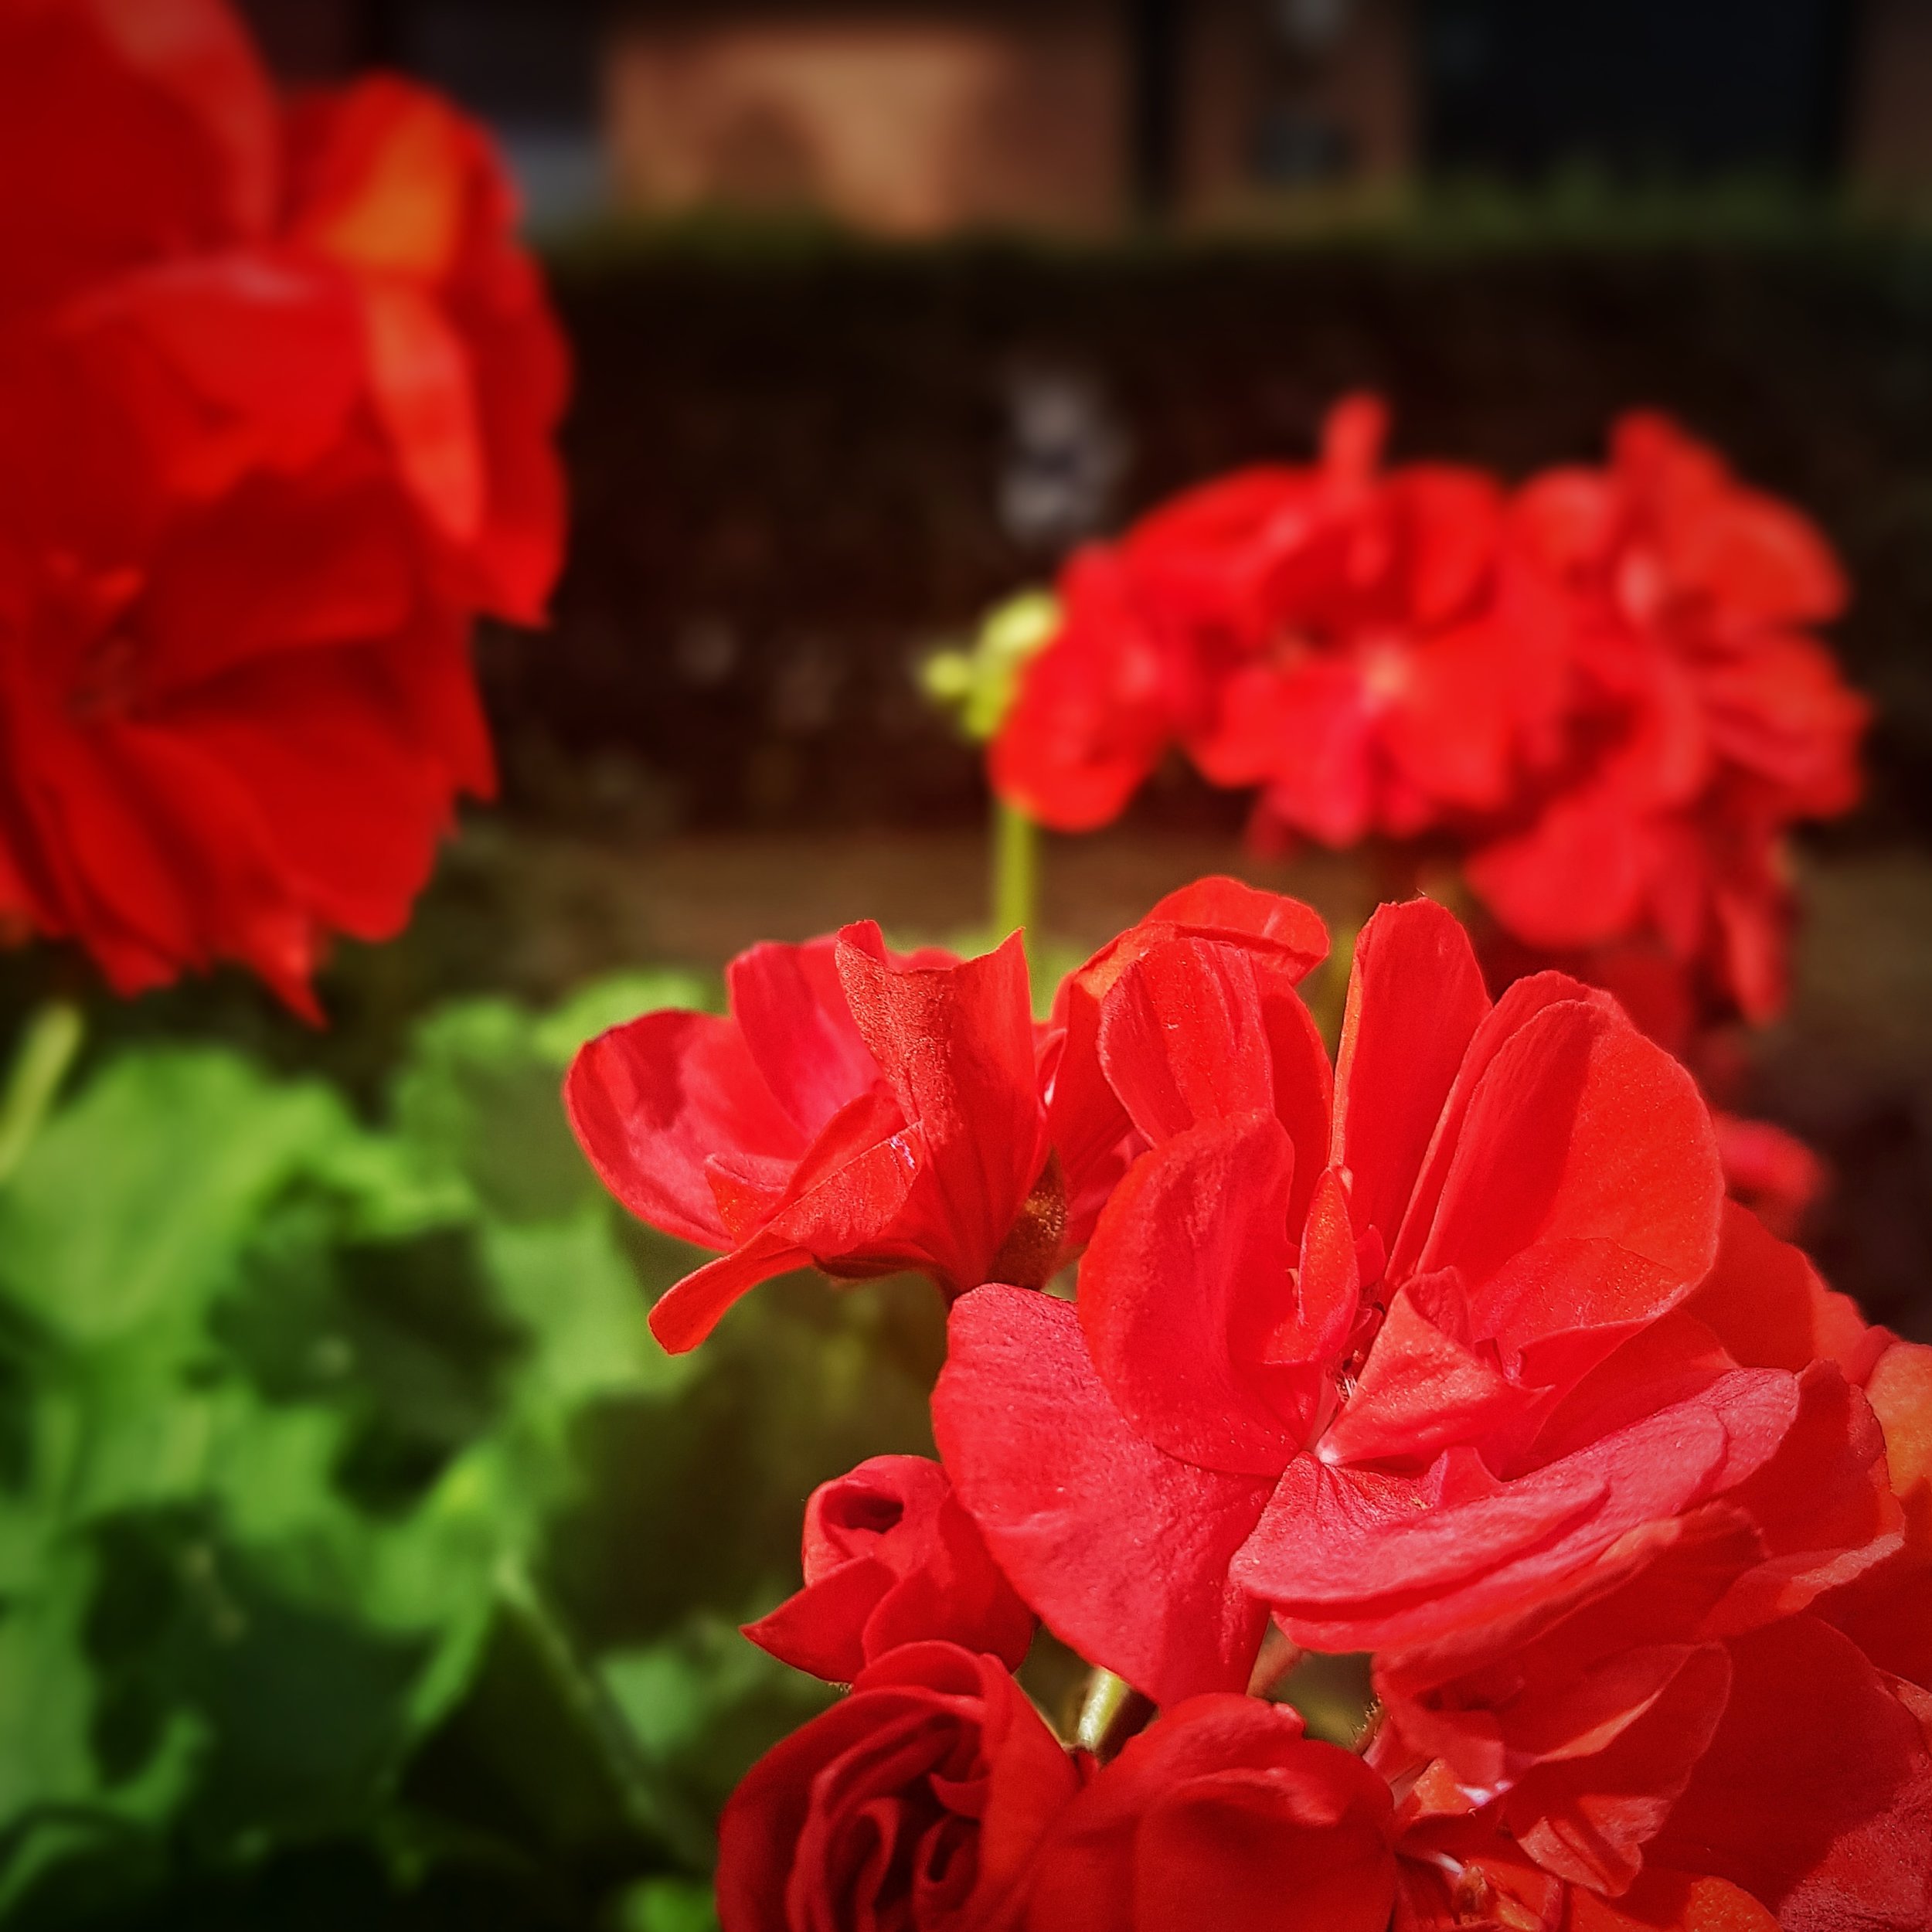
<point x="879" y="307"/>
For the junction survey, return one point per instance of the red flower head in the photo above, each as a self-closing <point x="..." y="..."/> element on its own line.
<point x="1222" y="1814"/>
<point x="236" y="574"/>
<point x="1328" y="632"/>
<point x="890" y="1558"/>
<point x="231" y="723"/>
<point x="1394" y="1367"/>
<point x="864" y="1112"/>
<point x="1704" y="717"/>
<point x="918" y="1802"/>
<point x="1631" y="1723"/>
<point x="859" y="1110"/>
<point x="139" y="133"/>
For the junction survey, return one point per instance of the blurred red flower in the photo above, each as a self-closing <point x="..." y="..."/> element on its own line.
<point x="1607" y="685"/>
<point x="890" y="1558"/>
<point x="1703" y="717"/>
<point x="917" y="1802"/>
<point x="1335" y="634"/>
<point x="279" y="395"/>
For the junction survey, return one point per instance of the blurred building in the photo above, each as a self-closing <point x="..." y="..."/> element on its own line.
<point x="927" y="117"/>
<point x="1889" y="155"/>
<point x="1069" y="114"/>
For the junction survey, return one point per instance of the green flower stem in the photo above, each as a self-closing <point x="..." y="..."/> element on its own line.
<point x="1016" y="846"/>
<point x="1112" y="1711"/>
<point x="46" y="1052"/>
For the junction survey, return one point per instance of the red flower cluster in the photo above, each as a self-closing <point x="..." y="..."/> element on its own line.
<point x="277" y="391"/>
<point x="1602" y="685"/>
<point x="1701" y="718"/>
<point x="1454" y="1352"/>
<point x="865" y="1112"/>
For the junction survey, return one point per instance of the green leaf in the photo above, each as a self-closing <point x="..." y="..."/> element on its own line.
<point x="665" y="1905"/>
<point x="131" y="1203"/>
<point x="345" y="1495"/>
<point x="705" y="1704"/>
<point x="572" y="1288"/>
<point x="605" y="1003"/>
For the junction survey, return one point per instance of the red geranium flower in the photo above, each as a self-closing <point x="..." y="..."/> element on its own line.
<point x="890" y="1558"/>
<point x="1332" y="633"/>
<point x="919" y="1802"/>
<point x="1382" y="1367"/>
<point x="231" y="724"/>
<point x="1637" y="1721"/>
<point x="860" y="1111"/>
<point x="863" y="1112"/>
<point x="1703" y="717"/>
<point x="279" y="407"/>
<point x="138" y="134"/>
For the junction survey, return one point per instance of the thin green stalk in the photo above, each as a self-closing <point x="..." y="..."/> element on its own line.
<point x="1111" y="1712"/>
<point x="41" y="1062"/>
<point x="1015" y="870"/>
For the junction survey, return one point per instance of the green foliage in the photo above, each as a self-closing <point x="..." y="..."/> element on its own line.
<point x="357" y="1542"/>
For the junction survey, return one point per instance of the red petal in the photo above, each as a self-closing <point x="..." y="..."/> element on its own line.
<point x="1123" y="1550"/>
<point x="1420" y="1392"/>
<point x="843" y="1211"/>
<point x="1815" y="1796"/>
<point x="1584" y="1195"/>
<point x="129" y="129"/>
<point x="821" y="1629"/>
<point x="1416" y="998"/>
<point x="650" y="1102"/>
<point x="1352" y="1560"/>
<point x="1182" y="1294"/>
<point x="1282" y="932"/>
<point x="687" y="1312"/>
<point x="955" y="1044"/>
<point x="1201" y="1820"/>
<point x="1768" y="1305"/>
<point x="1670" y="1902"/>
<point x="790" y="1005"/>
